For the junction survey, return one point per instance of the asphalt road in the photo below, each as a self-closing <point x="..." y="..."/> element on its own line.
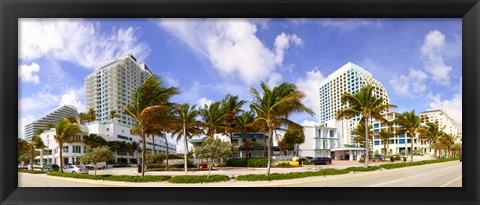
<point x="447" y="174"/>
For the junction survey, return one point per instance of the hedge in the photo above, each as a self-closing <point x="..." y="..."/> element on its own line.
<point x="124" y="178"/>
<point x="31" y="171"/>
<point x="170" y="166"/>
<point x="191" y="179"/>
<point x="251" y="162"/>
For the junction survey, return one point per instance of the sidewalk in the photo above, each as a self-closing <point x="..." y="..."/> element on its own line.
<point x="235" y="171"/>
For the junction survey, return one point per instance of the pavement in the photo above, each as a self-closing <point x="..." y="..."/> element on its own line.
<point x="446" y="174"/>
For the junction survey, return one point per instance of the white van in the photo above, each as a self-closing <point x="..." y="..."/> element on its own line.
<point x="100" y="165"/>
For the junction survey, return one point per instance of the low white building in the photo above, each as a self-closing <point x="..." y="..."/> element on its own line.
<point x="109" y="131"/>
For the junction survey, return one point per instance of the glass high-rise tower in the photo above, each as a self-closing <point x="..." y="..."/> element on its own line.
<point x="110" y="87"/>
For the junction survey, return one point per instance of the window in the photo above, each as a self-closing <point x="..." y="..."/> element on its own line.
<point x="65" y="149"/>
<point x="76" y="149"/>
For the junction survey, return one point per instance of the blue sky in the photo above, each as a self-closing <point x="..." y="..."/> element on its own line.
<point x="417" y="60"/>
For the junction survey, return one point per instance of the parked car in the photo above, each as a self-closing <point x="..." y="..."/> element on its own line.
<point x="75" y="169"/>
<point x="24" y="166"/>
<point x="100" y="165"/>
<point x="321" y="160"/>
<point x="50" y="168"/>
<point x="378" y="156"/>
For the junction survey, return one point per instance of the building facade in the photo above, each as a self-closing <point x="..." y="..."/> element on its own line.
<point x="110" y="132"/>
<point x="443" y="120"/>
<point x="52" y="118"/>
<point x="111" y="87"/>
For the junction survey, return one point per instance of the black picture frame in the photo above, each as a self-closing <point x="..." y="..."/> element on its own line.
<point x="11" y="10"/>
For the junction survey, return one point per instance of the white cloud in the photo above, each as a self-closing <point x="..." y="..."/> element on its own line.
<point x="72" y="97"/>
<point x="231" y="46"/>
<point x="432" y="52"/>
<point x="348" y="23"/>
<point x="204" y="101"/>
<point x="77" y="41"/>
<point x="27" y="73"/>
<point x="453" y="106"/>
<point x="310" y="86"/>
<point x="308" y="123"/>
<point x="274" y="79"/>
<point x="410" y="85"/>
<point x="39" y="101"/>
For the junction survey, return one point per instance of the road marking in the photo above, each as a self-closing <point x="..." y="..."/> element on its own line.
<point x="351" y="177"/>
<point x="448" y="183"/>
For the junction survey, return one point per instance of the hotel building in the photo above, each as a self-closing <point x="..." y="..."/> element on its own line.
<point x="51" y="118"/>
<point x="111" y="87"/>
<point x="442" y="119"/>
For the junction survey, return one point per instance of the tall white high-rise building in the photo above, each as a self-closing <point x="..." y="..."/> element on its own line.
<point x="110" y="87"/>
<point x="347" y="79"/>
<point x="442" y="119"/>
<point x="51" y="118"/>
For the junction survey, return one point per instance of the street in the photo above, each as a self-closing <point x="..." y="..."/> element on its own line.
<point x="447" y="174"/>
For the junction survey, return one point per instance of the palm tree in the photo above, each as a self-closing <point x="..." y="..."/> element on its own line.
<point x="123" y="147"/>
<point x="410" y="124"/>
<point x="50" y="126"/>
<point x="113" y="114"/>
<point x="91" y="115"/>
<point x="134" y="146"/>
<point x="22" y="148"/>
<point x="213" y="117"/>
<point x="448" y="141"/>
<point x="64" y="133"/>
<point x="432" y="133"/>
<point x="188" y="126"/>
<point x="150" y="98"/>
<point x="359" y="133"/>
<point x="82" y="117"/>
<point x="273" y="107"/>
<point x="364" y="103"/>
<point x="232" y="106"/>
<point x="385" y="135"/>
<point x="35" y="143"/>
<point x="72" y="119"/>
<point x="244" y="125"/>
<point x="166" y="120"/>
<point x="93" y="140"/>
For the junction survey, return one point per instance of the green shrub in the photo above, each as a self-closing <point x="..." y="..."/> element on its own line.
<point x="363" y="169"/>
<point x="124" y="178"/>
<point x="191" y="179"/>
<point x="150" y="166"/>
<point x="284" y="164"/>
<point x="31" y="171"/>
<point x="251" y="162"/>
<point x="307" y="163"/>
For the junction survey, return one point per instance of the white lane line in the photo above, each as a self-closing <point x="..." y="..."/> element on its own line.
<point x="448" y="183"/>
<point x="375" y="185"/>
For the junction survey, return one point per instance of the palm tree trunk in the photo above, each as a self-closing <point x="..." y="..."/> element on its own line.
<point x="384" y="149"/>
<point x="269" y="164"/>
<point x="186" y="145"/>
<point x="210" y="168"/>
<point x="411" y="147"/>
<point x="231" y="142"/>
<point x="166" y="144"/>
<point x="144" y="146"/>
<point x="367" y="143"/>
<point x="32" y="152"/>
<point x="61" y="157"/>
<point x="153" y="142"/>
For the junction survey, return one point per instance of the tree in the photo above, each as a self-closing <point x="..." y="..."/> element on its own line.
<point x="166" y="120"/>
<point x="97" y="154"/>
<point x="410" y="124"/>
<point x="273" y="107"/>
<point x="50" y="126"/>
<point x="22" y="148"/>
<point x="213" y="117"/>
<point x="244" y="125"/>
<point x="72" y="119"/>
<point x="432" y="133"/>
<point x="35" y="143"/>
<point x="150" y="98"/>
<point x="213" y="150"/>
<point x="134" y="146"/>
<point x="188" y="126"/>
<point x="293" y="137"/>
<point x="122" y="147"/>
<point x="364" y="103"/>
<point x="64" y="133"/>
<point x="93" y="140"/>
<point x="232" y="106"/>
<point x="448" y="141"/>
<point x="91" y="115"/>
<point x="82" y="117"/>
<point x="359" y="133"/>
<point x="384" y="135"/>
<point x="113" y="114"/>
